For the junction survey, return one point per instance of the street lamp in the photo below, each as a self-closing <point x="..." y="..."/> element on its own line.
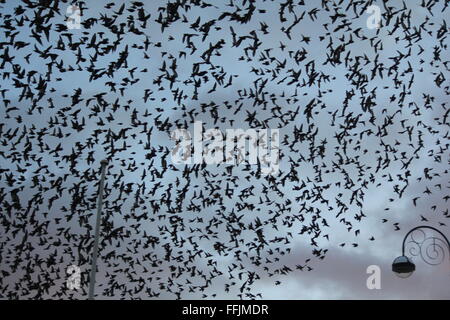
<point x="429" y="248"/>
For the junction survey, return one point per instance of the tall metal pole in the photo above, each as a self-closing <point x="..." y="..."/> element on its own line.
<point x="97" y="230"/>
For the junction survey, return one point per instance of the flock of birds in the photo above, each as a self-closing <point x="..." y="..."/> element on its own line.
<point x="360" y="112"/>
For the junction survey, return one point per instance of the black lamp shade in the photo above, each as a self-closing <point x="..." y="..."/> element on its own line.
<point x="403" y="267"/>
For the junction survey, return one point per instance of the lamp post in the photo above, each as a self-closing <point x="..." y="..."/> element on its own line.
<point x="97" y="230"/>
<point x="430" y="248"/>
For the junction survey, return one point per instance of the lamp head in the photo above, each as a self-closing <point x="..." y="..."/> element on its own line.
<point x="403" y="267"/>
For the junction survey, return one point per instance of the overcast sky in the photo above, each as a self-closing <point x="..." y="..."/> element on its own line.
<point x="341" y="274"/>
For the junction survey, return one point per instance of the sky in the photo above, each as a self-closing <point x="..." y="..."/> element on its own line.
<point x="128" y="260"/>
